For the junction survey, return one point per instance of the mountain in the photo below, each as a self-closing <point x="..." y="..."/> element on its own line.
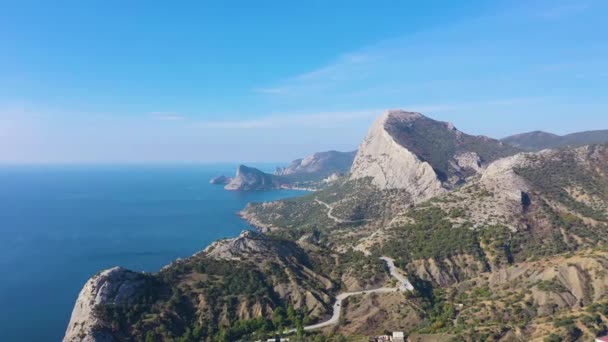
<point x="406" y="150"/>
<point x="526" y="233"/>
<point x="538" y="140"/>
<point x="250" y="178"/>
<point x="318" y="165"/>
<point x="499" y="245"/>
<point x="313" y="172"/>
<point x="404" y="159"/>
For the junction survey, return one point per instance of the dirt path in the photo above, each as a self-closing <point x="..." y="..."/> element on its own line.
<point x="335" y="219"/>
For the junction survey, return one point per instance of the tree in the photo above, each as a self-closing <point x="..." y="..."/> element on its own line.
<point x="291" y="314"/>
<point x="278" y="318"/>
<point x="299" y="328"/>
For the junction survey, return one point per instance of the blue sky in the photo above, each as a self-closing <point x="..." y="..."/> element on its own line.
<point x="215" y="81"/>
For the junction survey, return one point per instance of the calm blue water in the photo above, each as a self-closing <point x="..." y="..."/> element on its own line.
<point x="60" y="225"/>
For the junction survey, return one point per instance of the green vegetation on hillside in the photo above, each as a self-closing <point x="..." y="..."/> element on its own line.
<point x="432" y="235"/>
<point x="209" y="299"/>
<point x="554" y="177"/>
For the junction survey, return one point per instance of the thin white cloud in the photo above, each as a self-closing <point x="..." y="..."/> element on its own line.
<point x="276" y="90"/>
<point x="167" y="116"/>
<point x="337" y="118"/>
<point x="335" y="69"/>
<point x="319" y="119"/>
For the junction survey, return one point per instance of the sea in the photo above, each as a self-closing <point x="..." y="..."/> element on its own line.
<point x="59" y="225"/>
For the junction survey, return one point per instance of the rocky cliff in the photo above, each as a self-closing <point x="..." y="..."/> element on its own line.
<point x="249" y="178"/>
<point x="391" y="165"/>
<point x="406" y="150"/>
<point x="115" y="286"/>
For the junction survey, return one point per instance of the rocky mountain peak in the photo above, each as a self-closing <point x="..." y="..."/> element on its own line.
<point x="399" y="114"/>
<point x="407" y="150"/>
<point x="391" y="165"/>
<point x="250" y="178"/>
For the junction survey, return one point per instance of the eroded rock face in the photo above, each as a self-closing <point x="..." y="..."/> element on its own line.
<point x="114" y="286"/>
<point x="468" y="160"/>
<point x="448" y="271"/>
<point x="500" y="176"/>
<point x="392" y="166"/>
<point x="249" y="178"/>
<point x="406" y="150"/>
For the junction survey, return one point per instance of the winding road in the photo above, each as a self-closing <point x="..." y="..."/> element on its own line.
<point x="337" y="220"/>
<point x="404" y="285"/>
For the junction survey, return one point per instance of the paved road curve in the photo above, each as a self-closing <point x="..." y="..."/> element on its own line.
<point x="404" y="285"/>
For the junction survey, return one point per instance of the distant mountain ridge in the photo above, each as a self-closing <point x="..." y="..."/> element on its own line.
<point x="314" y="171"/>
<point x="539" y="140"/>
<point x="320" y="164"/>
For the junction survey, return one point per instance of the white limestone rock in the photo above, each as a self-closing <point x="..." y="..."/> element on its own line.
<point x="392" y="166"/>
<point x="250" y="178"/>
<point x="113" y="286"/>
<point x="247" y="243"/>
<point x="468" y="160"/>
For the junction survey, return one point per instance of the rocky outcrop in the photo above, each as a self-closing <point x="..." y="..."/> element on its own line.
<point x="321" y="163"/>
<point x="220" y="180"/>
<point x="249" y="178"/>
<point x="333" y="177"/>
<point x="248" y="242"/>
<point x="391" y="165"/>
<point x="500" y="177"/>
<point x="406" y="150"/>
<point x="113" y="286"/>
<point x="447" y="271"/>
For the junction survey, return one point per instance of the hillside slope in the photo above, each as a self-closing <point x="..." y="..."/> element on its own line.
<point x="245" y="287"/>
<point x="204" y="296"/>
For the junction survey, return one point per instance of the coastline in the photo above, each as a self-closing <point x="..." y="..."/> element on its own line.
<point x="254" y="222"/>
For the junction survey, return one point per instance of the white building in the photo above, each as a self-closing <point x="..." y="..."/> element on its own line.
<point x="398" y="336"/>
